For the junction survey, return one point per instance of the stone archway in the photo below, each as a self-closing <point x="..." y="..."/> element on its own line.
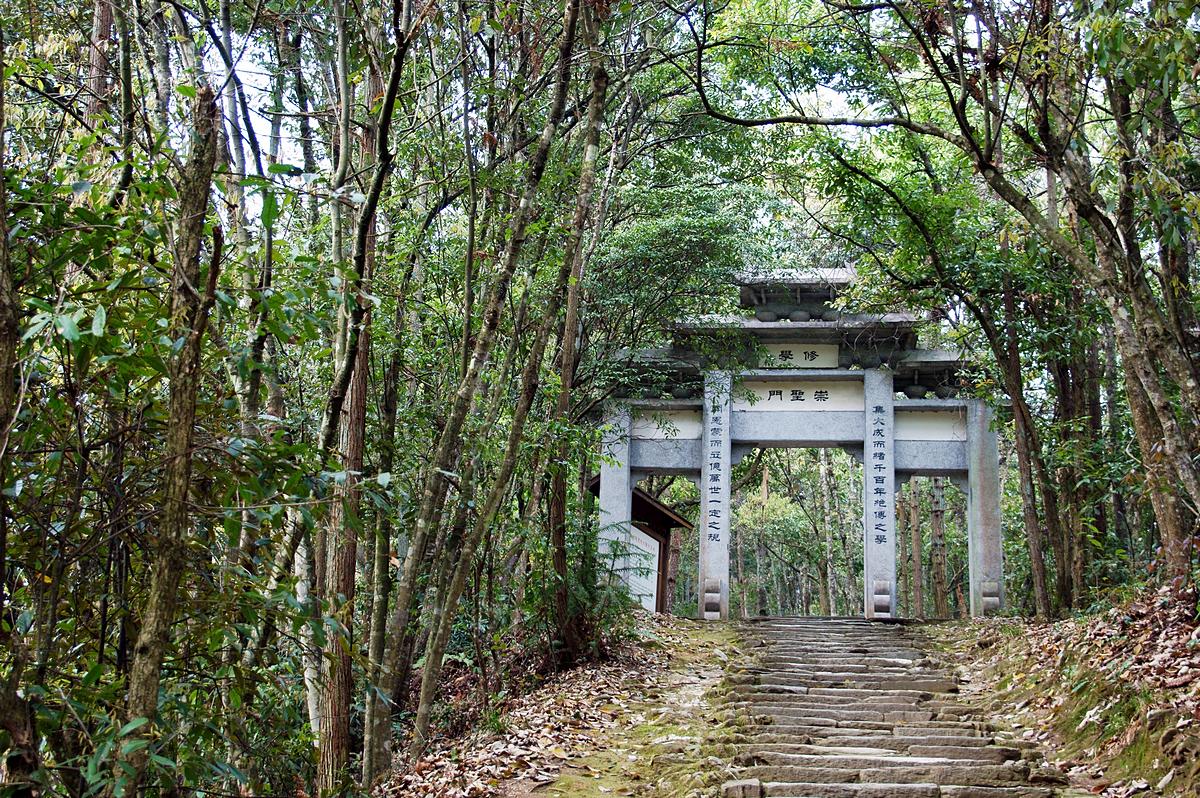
<point x="854" y="381"/>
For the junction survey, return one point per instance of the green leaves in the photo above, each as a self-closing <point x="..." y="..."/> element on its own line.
<point x="99" y="320"/>
<point x="270" y="209"/>
<point x="67" y="327"/>
<point x="132" y="726"/>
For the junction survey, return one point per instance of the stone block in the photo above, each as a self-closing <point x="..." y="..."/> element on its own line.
<point x="743" y="788"/>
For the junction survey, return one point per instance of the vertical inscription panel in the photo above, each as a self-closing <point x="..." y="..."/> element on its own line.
<point x="879" y="496"/>
<point x="714" y="498"/>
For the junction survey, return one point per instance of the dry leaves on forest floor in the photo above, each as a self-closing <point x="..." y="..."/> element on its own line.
<point x="1149" y="647"/>
<point x="545" y="728"/>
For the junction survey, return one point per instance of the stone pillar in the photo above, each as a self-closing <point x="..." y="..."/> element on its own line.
<point x="985" y="552"/>
<point x="616" y="492"/>
<point x="879" y="496"/>
<point x="714" y="498"/>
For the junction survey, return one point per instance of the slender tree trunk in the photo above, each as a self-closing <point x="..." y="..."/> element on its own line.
<point x="463" y="561"/>
<point x="741" y="575"/>
<point x="99" y="68"/>
<point x="675" y="550"/>
<point x="557" y="510"/>
<point x="1113" y="435"/>
<point x="918" y="549"/>
<point x="1175" y="522"/>
<point x="937" y="539"/>
<point x="1009" y="358"/>
<point x="851" y="597"/>
<point x="10" y="334"/>
<point x="1155" y="441"/>
<point x="18" y="717"/>
<point x="428" y="512"/>
<point x="376" y="710"/>
<point x="760" y="562"/>
<point x="189" y="318"/>
<point x="304" y="574"/>
<point x="338" y="591"/>
<point x="825" y="486"/>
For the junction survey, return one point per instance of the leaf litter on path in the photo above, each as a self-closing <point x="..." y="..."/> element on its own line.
<point x="590" y="710"/>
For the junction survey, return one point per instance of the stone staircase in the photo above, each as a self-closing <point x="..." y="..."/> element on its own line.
<point x="849" y="708"/>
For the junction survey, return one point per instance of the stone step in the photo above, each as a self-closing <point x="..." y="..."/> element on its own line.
<point x="852" y="686"/>
<point x="889" y="759"/>
<point x="918" y="695"/>
<point x="857" y="709"/>
<point x="810" y="790"/>
<point x="884" y="718"/>
<point x="992" y="754"/>
<point x="786" y="790"/>
<point x="778" y="704"/>
<point x="826" y="728"/>
<point x="983" y="775"/>
<point x="829" y="696"/>
<point x="1022" y="791"/>
<point x="966" y="728"/>
<point x="830" y="681"/>
<point x="898" y="743"/>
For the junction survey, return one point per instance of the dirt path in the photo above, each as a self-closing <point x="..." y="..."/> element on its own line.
<point x="670" y="738"/>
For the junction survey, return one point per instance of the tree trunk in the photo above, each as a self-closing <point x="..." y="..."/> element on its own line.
<point x="433" y="489"/>
<point x="1175" y="522"/>
<point x="937" y="540"/>
<point x="442" y="623"/>
<point x="739" y="558"/>
<point x="189" y="319"/>
<point x="333" y="740"/>
<point x="17" y="715"/>
<point x="824" y="479"/>
<point x="1009" y="359"/>
<point x="557" y="509"/>
<point x="99" y="67"/>
<point x="305" y="575"/>
<point x="1162" y="446"/>
<point x="918" y="549"/>
<point x="805" y="593"/>
<point x="760" y="562"/>
<point x="673" y="568"/>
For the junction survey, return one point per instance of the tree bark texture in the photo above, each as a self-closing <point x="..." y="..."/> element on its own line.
<point x="918" y="548"/>
<point x="428" y="512"/>
<point x="937" y="540"/>
<point x="189" y="318"/>
<point x="557" y="509"/>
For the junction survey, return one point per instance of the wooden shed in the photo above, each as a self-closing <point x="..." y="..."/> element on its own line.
<point x="653" y="523"/>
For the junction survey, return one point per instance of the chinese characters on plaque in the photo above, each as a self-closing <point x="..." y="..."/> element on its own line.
<point x="799" y="395"/>
<point x="801" y="356"/>
<point x="805" y="355"/>
<point x="716" y="474"/>
<point x="876" y="464"/>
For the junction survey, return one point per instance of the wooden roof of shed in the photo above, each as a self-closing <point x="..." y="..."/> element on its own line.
<point x="648" y="509"/>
